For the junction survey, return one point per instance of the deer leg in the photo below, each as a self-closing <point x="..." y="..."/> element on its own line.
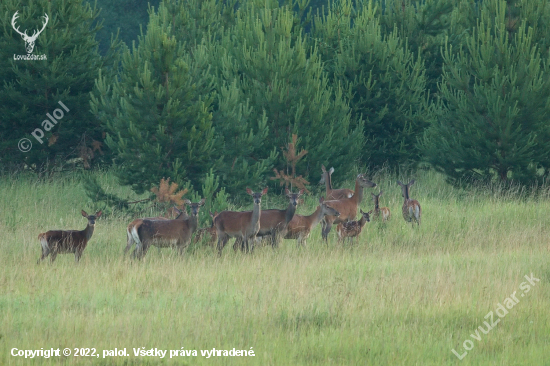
<point x="237" y="244"/>
<point x="326" y="231"/>
<point x="53" y="255"/>
<point x="77" y="255"/>
<point x="222" y="240"/>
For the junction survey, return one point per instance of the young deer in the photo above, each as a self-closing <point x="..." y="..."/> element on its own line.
<point x="380" y="212"/>
<point x="134" y="225"/>
<point x="274" y="223"/>
<point x="300" y="226"/>
<point x="209" y="232"/>
<point x="352" y="229"/>
<point x="245" y="224"/>
<point x="347" y="206"/>
<point x="166" y="233"/>
<point x="67" y="241"/>
<point x="333" y="194"/>
<point x="411" y="208"/>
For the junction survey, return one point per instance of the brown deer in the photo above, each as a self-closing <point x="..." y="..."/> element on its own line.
<point x="380" y="212"/>
<point x="274" y="223"/>
<point x="300" y="226"/>
<point x="67" y="241"/>
<point x="352" y="229"/>
<point x="333" y="194"/>
<point x="411" y="208"/>
<point x="347" y="206"/>
<point x="172" y="212"/>
<point x="245" y="224"/>
<point x="209" y="232"/>
<point x="166" y="233"/>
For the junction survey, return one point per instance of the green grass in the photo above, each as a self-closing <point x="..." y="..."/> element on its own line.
<point x="397" y="297"/>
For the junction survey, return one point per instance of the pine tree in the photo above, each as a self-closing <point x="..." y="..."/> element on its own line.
<point x="495" y="92"/>
<point x="31" y="90"/>
<point x="383" y="80"/>
<point x="158" y="112"/>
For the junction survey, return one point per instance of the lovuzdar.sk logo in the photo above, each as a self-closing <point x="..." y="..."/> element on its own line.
<point x="29" y="40"/>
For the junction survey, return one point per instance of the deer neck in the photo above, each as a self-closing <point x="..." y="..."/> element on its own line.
<point x="329" y="181"/>
<point x="256" y="215"/>
<point x="376" y="206"/>
<point x="358" y="193"/>
<point x="406" y="194"/>
<point x="88" y="232"/>
<point x="290" y="211"/>
<point x="363" y="221"/>
<point x="315" y="218"/>
<point x="193" y="222"/>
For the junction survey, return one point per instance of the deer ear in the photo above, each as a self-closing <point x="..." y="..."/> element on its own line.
<point x="370" y="212"/>
<point x="84" y="213"/>
<point x="287" y="192"/>
<point x="323" y="169"/>
<point x="264" y="191"/>
<point x="411" y="183"/>
<point x="201" y="203"/>
<point x="399" y="182"/>
<point x="186" y="202"/>
<point x="249" y="191"/>
<point x="331" y="170"/>
<point x="98" y="213"/>
<point x="301" y="192"/>
<point x="321" y="200"/>
<point x="360" y="210"/>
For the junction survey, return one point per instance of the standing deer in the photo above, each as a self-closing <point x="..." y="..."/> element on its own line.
<point x="134" y="225"/>
<point x="274" y="223"/>
<point x="300" y="226"/>
<point x="411" y="208"/>
<point x="29" y="41"/>
<point x="352" y="229"/>
<point x="347" y="206"/>
<point x="166" y="233"/>
<point x="67" y="241"/>
<point x="333" y="194"/>
<point x="380" y="212"/>
<point x="210" y="232"/>
<point x="245" y="224"/>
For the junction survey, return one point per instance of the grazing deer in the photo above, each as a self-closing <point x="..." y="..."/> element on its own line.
<point x="245" y="224"/>
<point x="29" y="40"/>
<point x="333" y="194"/>
<point x="210" y="232"/>
<point x="411" y="208"/>
<point x="300" y="226"/>
<point x="274" y="223"/>
<point x="347" y="206"/>
<point x="179" y="214"/>
<point x="352" y="229"/>
<point x="166" y="233"/>
<point x="380" y="212"/>
<point x="67" y="241"/>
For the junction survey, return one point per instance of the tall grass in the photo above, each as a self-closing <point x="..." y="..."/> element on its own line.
<point x="400" y="296"/>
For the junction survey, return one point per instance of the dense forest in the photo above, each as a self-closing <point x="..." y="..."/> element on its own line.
<point x="222" y="93"/>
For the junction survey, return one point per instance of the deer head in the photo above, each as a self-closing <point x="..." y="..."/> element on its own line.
<point x="29" y="40"/>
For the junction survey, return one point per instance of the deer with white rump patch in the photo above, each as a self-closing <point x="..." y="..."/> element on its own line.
<point x="333" y="194"/>
<point x="380" y="212"/>
<point x="411" y="208"/>
<point x="244" y="224"/>
<point x="300" y="226"/>
<point x="167" y="233"/>
<point x="67" y="241"/>
<point x="352" y="229"/>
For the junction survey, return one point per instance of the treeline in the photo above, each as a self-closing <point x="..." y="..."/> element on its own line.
<point x="218" y="88"/>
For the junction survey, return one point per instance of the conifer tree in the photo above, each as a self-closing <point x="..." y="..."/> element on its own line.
<point x="383" y="80"/>
<point x="31" y="89"/>
<point x="495" y="92"/>
<point x="158" y="112"/>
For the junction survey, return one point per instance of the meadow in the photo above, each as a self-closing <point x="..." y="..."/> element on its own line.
<point x="399" y="296"/>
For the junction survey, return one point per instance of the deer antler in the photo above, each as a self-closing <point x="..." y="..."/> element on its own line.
<point x="17" y="29"/>
<point x="35" y="34"/>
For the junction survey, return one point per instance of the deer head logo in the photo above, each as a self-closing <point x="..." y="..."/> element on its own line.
<point x="29" y="41"/>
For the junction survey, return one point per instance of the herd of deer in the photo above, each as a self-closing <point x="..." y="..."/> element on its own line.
<point x="340" y="208"/>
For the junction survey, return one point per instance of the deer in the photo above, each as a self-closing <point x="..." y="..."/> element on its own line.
<point x="244" y="224"/>
<point x="274" y="223"/>
<point x="300" y="226"/>
<point x="207" y="231"/>
<point x="347" y="206"/>
<point x="411" y="208"/>
<point x="67" y="241"/>
<point x="380" y="212"/>
<point x="29" y="40"/>
<point x="166" y="233"/>
<point x="333" y="194"/>
<point x="352" y="229"/>
<point x="170" y="213"/>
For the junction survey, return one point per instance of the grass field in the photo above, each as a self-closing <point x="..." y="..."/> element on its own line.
<point x="397" y="297"/>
